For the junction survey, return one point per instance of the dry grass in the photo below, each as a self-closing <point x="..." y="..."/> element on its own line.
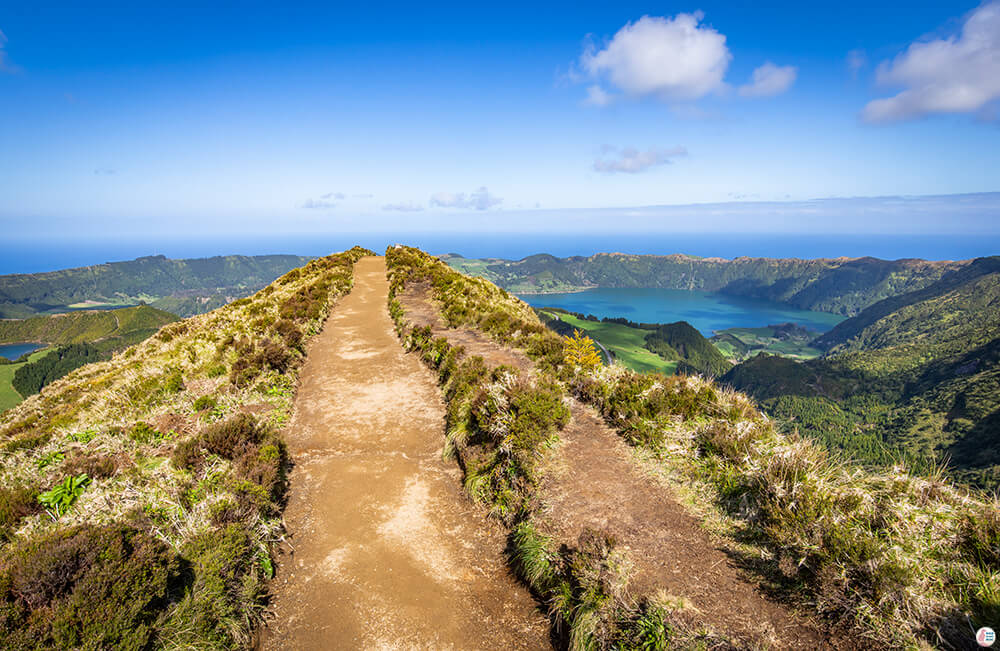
<point x="126" y="419"/>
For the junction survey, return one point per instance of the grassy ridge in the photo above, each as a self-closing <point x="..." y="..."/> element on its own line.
<point x="140" y="497"/>
<point x="910" y="559"/>
<point x="86" y="326"/>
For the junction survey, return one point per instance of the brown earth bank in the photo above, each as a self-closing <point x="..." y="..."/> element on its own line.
<point x="594" y="483"/>
<point x="385" y="551"/>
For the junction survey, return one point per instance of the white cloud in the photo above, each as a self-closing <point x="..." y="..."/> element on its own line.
<point x="856" y="60"/>
<point x="318" y="204"/>
<point x="958" y="74"/>
<point x="768" y="80"/>
<point x="481" y="199"/>
<point x="339" y="196"/>
<point x="632" y="161"/>
<point x="672" y="59"/>
<point x="597" y="96"/>
<point x="406" y="206"/>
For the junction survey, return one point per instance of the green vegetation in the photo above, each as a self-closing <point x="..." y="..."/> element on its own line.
<point x="694" y="353"/>
<point x="786" y="339"/>
<point x="910" y="559"/>
<point x="82" y="338"/>
<point x="626" y="344"/>
<point x="125" y="326"/>
<point x="914" y="377"/>
<point x="163" y="494"/>
<point x="842" y="286"/>
<point x="183" y="287"/>
<point x="8" y="395"/>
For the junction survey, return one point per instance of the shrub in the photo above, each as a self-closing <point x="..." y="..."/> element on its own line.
<point x="290" y="332"/>
<point x="28" y="441"/>
<point x="205" y="403"/>
<point x="143" y="433"/>
<point x="97" y="466"/>
<point x="16" y="502"/>
<point x="187" y="453"/>
<point x="231" y="438"/>
<point x="86" y="586"/>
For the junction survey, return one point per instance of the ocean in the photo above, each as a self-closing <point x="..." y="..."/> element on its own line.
<point x="29" y="256"/>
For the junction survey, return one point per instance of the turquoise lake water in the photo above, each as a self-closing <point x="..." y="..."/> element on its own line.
<point x="706" y="311"/>
<point x="13" y="351"/>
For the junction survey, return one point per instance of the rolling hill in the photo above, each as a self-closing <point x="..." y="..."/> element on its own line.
<point x="915" y="375"/>
<point x="182" y="287"/>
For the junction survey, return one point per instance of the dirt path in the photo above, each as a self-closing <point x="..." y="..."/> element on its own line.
<point x="388" y="552"/>
<point x="594" y="483"/>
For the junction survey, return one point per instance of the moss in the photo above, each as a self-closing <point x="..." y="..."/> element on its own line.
<point x="143" y="433"/>
<point x="28" y="441"/>
<point x="93" y="586"/>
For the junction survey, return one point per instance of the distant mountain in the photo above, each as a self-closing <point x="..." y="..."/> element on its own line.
<point x="77" y="338"/>
<point x="916" y="374"/>
<point x="841" y="285"/>
<point x="183" y="287"/>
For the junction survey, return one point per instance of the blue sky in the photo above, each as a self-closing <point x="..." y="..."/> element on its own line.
<point x="642" y="116"/>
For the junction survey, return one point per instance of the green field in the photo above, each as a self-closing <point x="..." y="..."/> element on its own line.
<point x="742" y="343"/>
<point x="627" y="344"/>
<point x="8" y="396"/>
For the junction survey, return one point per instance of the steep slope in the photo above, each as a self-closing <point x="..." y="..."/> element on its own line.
<point x="908" y="559"/>
<point x="681" y="341"/>
<point x="140" y="496"/>
<point x="916" y="375"/>
<point x="183" y="287"/>
<point x="841" y="285"/>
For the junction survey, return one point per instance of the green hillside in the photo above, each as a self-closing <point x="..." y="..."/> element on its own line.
<point x="84" y="326"/>
<point x="695" y="354"/>
<point x="786" y="339"/>
<point x="916" y="376"/>
<point x="842" y="285"/>
<point x="627" y="344"/>
<point x="141" y="497"/>
<point x="194" y="285"/>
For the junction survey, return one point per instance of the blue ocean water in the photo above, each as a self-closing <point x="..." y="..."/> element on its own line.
<point x="13" y="351"/>
<point x="706" y="311"/>
<point x="28" y="256"/>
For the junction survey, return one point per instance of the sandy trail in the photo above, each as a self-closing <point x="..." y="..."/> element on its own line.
<point x="388" y="552"/>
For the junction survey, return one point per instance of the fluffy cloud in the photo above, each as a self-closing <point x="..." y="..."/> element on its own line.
<point x="406" y="206"/>
<point x="318" y="204"/>
<point x="597" y="96"/>
<point x="768" y="80"/>
<point x="958" y="74"/>
<point x="672" y="59"/>
<point x="481" y="199"/>
<point x="632" y="161"/>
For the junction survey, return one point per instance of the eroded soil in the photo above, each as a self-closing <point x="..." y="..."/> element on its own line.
<point x="385" y="550"/>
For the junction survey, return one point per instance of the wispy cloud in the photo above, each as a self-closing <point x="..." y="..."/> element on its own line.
<point x="632" y="161"/>
<point x="104" y="171"/>
<point x="363" y="196"/>
<point x="318" y="204"/>
<point x="769" y="80"/>
<point x="5" y="64"/>
<point x="406" y="206"/>
<point x="856" y="60"/>
<point x="957" y="74"/>
<point x="339" y="196"/>
<point x="480" y="199"/>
